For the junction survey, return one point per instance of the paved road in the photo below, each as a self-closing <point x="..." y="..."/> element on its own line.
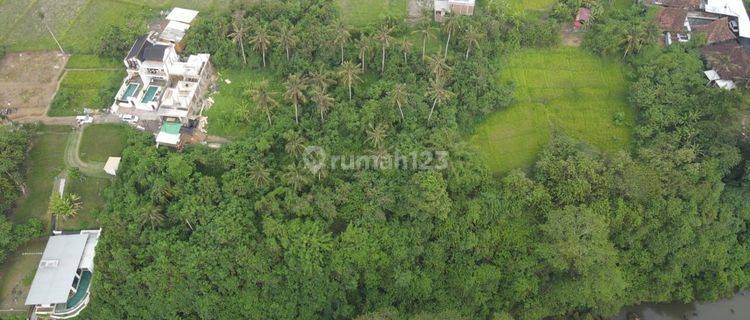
<point x="67" y="121"/>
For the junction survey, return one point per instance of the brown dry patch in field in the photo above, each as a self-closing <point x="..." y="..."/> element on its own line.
<point x="28" y="81"/>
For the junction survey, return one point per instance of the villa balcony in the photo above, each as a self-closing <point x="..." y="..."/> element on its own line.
<point x="76" y="302"/>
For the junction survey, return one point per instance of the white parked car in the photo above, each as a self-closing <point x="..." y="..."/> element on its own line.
<point x="84" y="119"/>
<point x="129" y="118"/>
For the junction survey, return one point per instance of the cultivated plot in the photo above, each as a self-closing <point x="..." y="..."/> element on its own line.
<point x="28" y="81"/>
<point x="563" y="90"/>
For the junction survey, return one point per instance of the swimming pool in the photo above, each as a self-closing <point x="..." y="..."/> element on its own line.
<point x="130" y="91"/>
<point x="150" y="94"/>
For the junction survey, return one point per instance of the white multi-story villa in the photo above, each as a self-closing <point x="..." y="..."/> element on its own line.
<point x="458" y="7"/>
<point x="161" y="85"/>
<point x="60" y="289"/>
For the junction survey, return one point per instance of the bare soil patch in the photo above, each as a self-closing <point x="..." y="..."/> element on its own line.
<point x="571" y="37"/>
<point x="29" y="81"/>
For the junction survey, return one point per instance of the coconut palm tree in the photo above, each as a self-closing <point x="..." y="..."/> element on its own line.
<point x="406" y="47"/>
<point x="322" y="100"/>
<point x="321" y="79"/>
<point x="349" y="74"/>
<point x="450" y="25"/>
<point x="364" y="44"/>
<point x="295" y="145"/>
<point x="295" y="177"/>
<point x="65" y="206"/>
<point x="472" y="38"/>
<point x="239" y="33"/>
<point x="635" y="38"/>
<point x="427" y="32"/>
<point x="151" y="215"/>
<point x="438" y="93"/>
<point x="261" y="41"/>
<point x="398" y="96"/>
<point x="438" y="66"/>
<point x="384" y="37"/>
<point x="260" y="175"/>
<point x="341" y="38"/>
<point x="376" y="135"/>
<point x="287" y="38"/>
<point x="263" y="98"/>
<point x="295" y="93"/>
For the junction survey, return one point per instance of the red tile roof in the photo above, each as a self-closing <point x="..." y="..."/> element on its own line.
<point x="716" y="31"/>
<point x="583" y="14"/>
<point x="729" y="59"/>
<point x="672" y="19"/>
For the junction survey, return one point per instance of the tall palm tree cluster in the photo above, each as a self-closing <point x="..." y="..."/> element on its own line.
<point x="312" y="88"/>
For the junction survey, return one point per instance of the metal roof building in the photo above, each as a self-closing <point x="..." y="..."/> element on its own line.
<point x="60" y="289"/>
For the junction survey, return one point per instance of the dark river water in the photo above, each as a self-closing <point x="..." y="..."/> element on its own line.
<point x="736" y="308"/>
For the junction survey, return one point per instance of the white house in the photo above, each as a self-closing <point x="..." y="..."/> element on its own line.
<point x="459" y="7"/>
<point x="60" y="289"/>
<point x="161" y="85"/>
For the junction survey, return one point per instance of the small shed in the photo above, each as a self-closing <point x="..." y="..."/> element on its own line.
<point x="582" y="17"/>
<point x="182" y="15"/>
<point x="113" y="163"/>
<point x="169" y="134"/>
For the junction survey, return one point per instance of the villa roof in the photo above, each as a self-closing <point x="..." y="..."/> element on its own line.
<point x="57" y="269"/>
<point x="734" y="8"/>
<point x="154" y="52"/>
<point x="716" y="31"/>
<point x="672" y="19"/>
<point x="729" y="59"/>
<point x="137" y="48"/>
<point x="182" y="15"/>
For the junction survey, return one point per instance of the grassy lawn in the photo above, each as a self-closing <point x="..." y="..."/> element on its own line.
<point x="101" y="141"/>
<point x="45" y="162"/>
<point x="228" y="116"/>
<point x="81" y="89"/>
<point x="363" y="12"/>
<point x="563" y="90"/>
<point x="16" y="274"/>
<point x="90" y="190"/>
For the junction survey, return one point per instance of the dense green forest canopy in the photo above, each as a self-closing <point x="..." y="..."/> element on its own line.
<point x="248" y="232"/>
<point x="14" y="143"/>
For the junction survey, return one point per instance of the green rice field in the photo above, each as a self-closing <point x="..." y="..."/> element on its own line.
<point x="78" y="24"/>
<point x="530" y="5"/>
<point x="558" y="91"/>
<point x="81" y="89"/>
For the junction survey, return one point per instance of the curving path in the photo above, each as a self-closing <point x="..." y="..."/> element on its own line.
<point x="73" y="159"/>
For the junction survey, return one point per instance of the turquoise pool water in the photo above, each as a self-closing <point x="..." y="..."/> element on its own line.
<point x="150" y="94"/>
<point x="83" y="287"/>
<point x="130" y="91"/>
